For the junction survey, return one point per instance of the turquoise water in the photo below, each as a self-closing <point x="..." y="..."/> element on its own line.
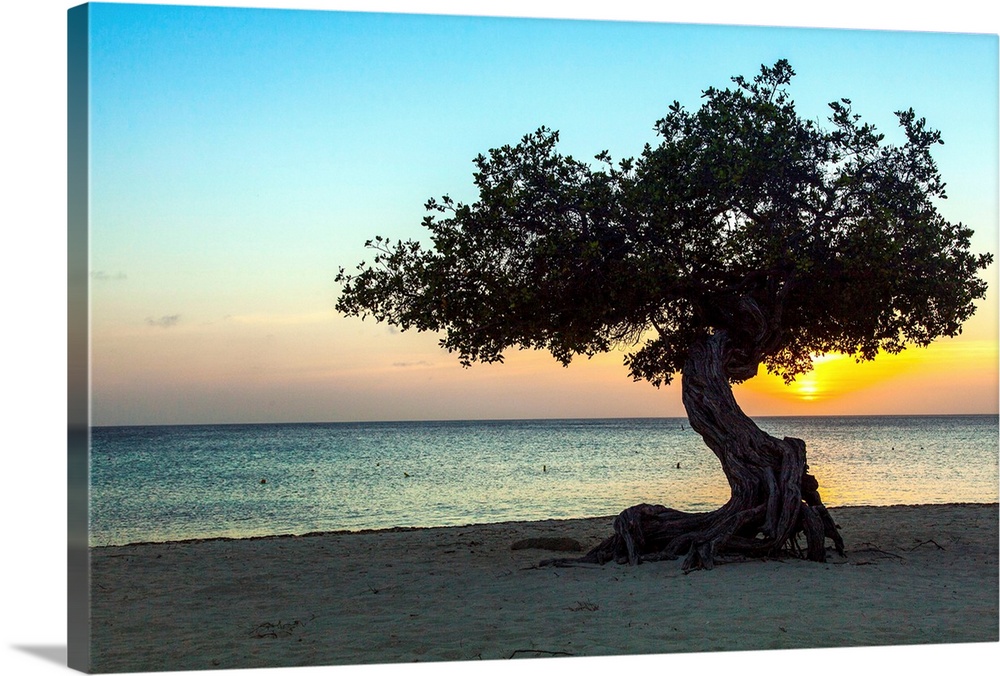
<point x="176" y="482"/>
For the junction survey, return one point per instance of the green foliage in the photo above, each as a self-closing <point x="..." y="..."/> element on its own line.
<point x="794" y="239"/>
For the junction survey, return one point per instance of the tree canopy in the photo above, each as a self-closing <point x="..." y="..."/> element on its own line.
<point x="795" y="238"/>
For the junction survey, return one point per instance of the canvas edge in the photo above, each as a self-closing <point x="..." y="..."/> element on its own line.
<point x="78" y="339"/>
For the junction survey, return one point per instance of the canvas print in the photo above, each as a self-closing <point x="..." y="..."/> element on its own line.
<point x="415" y="338"/>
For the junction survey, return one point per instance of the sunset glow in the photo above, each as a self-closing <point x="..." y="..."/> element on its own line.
<point x="946" y="374"/>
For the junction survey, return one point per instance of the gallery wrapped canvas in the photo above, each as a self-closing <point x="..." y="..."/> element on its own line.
<point x="433" y="338"/>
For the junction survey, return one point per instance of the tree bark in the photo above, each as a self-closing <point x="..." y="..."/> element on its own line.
<point x="773" y="497"/>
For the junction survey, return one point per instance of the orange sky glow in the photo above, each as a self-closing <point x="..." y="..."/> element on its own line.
<point x="946" y="377"/>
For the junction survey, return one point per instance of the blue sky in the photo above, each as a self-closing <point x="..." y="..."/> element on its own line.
<point x="241" y="156"/>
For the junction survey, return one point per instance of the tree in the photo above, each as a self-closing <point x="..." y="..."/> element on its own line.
<point x="748" y="236"/>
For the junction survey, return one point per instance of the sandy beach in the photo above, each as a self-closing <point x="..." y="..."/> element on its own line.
<point x="912" y="575"/>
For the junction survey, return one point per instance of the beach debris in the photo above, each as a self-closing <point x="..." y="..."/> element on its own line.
<point x="540" y="652"/>
<point x="555" y="544"/>
<point x="276" y="629"/>
<point x="377" y="590"/>
<point x="870" y="548"/>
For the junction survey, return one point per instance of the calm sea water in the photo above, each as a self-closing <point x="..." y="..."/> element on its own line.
<point x="175" y="482"/>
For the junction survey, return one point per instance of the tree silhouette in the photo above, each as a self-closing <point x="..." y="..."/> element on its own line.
<point x="747" y="236"/>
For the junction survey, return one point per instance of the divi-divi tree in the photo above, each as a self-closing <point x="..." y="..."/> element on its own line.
<point x="746" y="237"/>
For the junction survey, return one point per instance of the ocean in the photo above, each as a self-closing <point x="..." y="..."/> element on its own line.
<point x="164" y="483"/>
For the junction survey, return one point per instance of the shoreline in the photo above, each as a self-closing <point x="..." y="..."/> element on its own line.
<point x="913" y="575"/>
<point x="517" y="522"/>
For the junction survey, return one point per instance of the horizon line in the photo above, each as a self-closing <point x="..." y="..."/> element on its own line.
<point x="540" y="419"/>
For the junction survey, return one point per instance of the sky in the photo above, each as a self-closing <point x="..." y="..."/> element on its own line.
<point x="33" y="274"/>
<point x="240" y="157"/>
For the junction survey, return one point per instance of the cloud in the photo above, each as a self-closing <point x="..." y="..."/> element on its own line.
<point x="411" y="364"/>
<point x="164" y="322"/>
<point x="102" y="276"/>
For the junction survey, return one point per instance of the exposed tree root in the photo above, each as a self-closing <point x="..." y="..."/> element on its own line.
<point x="645" y="533"/>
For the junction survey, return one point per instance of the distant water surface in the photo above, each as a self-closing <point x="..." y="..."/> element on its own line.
<point x="176" y="482"/>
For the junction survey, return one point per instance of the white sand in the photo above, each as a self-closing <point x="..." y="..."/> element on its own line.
<point x="461" y="593"/>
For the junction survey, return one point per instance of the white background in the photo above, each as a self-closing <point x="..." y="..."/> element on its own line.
<point x="33" y="250"/>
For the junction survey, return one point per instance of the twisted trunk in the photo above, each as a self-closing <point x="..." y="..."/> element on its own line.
<point x="773" y="497"/>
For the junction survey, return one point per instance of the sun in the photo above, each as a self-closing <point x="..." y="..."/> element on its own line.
<point x="807" y="391"/>
<point x="831" y="376"/>
<point x="817" y="383"/>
